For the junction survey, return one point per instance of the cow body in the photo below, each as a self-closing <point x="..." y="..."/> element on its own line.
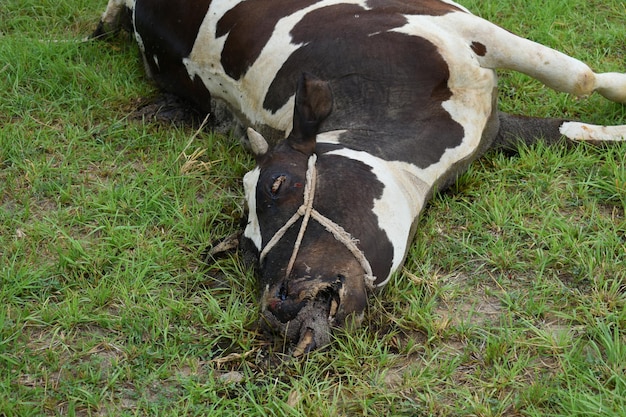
<point x="402" y="98"/>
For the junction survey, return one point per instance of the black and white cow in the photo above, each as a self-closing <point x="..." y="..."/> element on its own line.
<point x="380" y="101"/>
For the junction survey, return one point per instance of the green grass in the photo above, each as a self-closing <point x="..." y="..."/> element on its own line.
<point x="512" y="302"/>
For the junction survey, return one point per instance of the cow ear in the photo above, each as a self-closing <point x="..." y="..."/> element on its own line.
<point x="314" y="102"/>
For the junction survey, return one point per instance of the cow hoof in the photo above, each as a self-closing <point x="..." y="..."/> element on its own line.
<point x="169" y="109"/>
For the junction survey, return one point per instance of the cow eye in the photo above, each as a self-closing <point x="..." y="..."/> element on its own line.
<point x="278" y="182"/>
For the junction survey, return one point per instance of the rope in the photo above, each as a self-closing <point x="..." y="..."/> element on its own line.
<point x="307" y="211"/>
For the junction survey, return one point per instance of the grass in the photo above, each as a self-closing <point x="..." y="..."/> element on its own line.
<point x="512" y="301"/>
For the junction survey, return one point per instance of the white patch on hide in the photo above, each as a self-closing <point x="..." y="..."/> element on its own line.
<point x="471" y="85"/>
<point x="456" y="5"/>
<point x="330" y="137"/>
<point x="142" y="47"/>
<point x="253" y="230"/>
<point x="403" y="198"/>
<point x="593" y="133"/>
<point x="111" y="15"/>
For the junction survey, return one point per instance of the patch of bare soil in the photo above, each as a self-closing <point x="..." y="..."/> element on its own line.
<point x="479" y="311"/>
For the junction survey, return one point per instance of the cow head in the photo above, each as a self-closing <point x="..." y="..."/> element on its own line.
<point x="313" y="276"/>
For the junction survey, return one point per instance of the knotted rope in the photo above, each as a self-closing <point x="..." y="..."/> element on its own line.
<point x="306" y="211"/>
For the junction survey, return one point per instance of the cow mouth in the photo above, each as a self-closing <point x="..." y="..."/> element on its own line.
<point x="305" y="322"/>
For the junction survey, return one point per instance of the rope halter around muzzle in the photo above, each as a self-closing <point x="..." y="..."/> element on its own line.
<point x="306" y="211"/>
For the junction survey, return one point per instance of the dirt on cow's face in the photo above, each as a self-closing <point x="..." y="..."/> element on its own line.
<point x="305" y="310"/>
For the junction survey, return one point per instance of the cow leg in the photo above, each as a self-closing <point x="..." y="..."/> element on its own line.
<point x="496" y="48"/>
<point x="116" y="16"/>
<point x="514" y="130"/>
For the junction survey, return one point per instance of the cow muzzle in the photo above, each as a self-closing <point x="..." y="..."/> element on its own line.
<point x="304" y="311"/>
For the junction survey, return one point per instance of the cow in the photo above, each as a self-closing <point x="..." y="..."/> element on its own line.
<point x="357" y="111"/>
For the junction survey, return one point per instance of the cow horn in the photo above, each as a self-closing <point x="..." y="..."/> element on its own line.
<point x="257" y="142"/>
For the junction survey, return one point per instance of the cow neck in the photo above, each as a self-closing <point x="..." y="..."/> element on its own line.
<point x="306" y="211"/>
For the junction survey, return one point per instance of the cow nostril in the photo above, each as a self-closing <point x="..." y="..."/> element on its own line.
<point x="283" y="307"/>
<point x="282" y="292"/>
<point x="339" y="282"/>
